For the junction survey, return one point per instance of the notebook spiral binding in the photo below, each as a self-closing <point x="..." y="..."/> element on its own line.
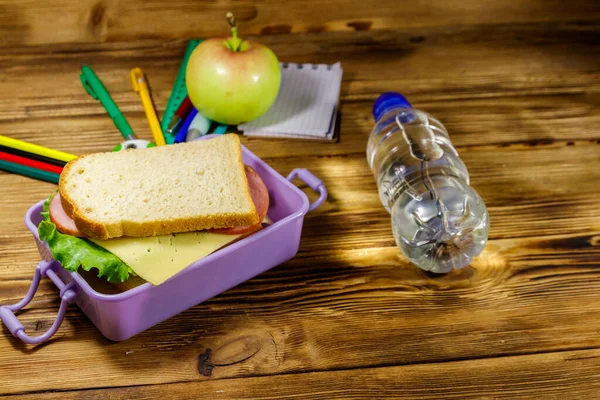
<point x="301" y="66"/>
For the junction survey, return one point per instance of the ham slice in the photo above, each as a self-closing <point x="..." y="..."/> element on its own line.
<point x="258" y="192"/>
<point x="59" y="217"/>
<point x="260" y="197"/>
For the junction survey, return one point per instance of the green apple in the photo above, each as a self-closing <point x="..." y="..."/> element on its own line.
<point x="232" y="81"/>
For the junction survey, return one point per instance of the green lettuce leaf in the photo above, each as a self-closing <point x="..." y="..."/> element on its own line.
<point x="74" y="252"/>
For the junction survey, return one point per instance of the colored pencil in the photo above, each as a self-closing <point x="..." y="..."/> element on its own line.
<point x="28" y="171"/>
<point x="34" y="148"/>
<point x="30" y="163"/>
<point x="33" y="156"/>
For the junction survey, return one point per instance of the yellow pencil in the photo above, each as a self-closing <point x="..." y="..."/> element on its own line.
<point x="35" y="149"/>
<point x="138" y="80"/>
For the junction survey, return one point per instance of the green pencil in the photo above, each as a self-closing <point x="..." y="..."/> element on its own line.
<point x="29" y="171"/>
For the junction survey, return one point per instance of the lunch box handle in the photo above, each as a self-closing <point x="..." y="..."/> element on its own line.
<point x="67" y="296"/>
<point x="313" y="182"/>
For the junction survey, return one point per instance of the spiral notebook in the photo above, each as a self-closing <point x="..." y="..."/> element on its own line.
<point x="306" y="105"/>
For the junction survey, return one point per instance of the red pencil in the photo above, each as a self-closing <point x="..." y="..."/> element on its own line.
<point x="182" y="112"/>
<point x="30" y="163"/>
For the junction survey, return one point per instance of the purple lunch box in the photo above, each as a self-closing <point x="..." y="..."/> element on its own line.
<point x="123" y="315"/>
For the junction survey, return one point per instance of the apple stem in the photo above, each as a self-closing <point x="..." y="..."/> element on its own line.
<point x="233" y="26"/>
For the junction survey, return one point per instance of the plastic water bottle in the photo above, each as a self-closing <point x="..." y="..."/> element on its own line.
<point x="439" y="222"/>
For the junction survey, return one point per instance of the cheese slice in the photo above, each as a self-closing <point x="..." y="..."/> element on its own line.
<point x="158" y="258"/>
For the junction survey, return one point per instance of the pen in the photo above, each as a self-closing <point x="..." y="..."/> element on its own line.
<point x="138" y="81"/>
<point x="96" y="89"/>
<point x="35" y="149"/>
<point x="182" y="133"/>
<point x="180" y="114"/>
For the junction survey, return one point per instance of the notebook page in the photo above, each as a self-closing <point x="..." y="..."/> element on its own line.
<point x="305" y="103"/>
<point x="328" y="136"/>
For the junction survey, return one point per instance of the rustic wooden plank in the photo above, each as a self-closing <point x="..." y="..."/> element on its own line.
<point x="572" y="374"/>
<point x="451" y="46"/>
<point x="28" y="22"/>
<point x="386" y="47"/>
<point x="523" y="296"/>
<point x="473" y="104"/>
<point x="469" y="122"/>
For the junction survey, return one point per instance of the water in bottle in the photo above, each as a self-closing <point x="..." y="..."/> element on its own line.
<point x="439" y="222"/>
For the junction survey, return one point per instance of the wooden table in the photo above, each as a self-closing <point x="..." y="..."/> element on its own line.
<point x="516" y="84"/>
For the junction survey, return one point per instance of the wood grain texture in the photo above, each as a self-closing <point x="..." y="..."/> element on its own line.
<point x="518" y="87"/>
<point x="548" y="376"/>
<point x="340" y="310"/>
<point x="26" y="22"/>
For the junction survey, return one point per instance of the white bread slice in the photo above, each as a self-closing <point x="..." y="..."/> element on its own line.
<point x="161" y="190"/>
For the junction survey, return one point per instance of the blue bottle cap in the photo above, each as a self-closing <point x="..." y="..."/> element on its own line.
<point x="388" y="100"/>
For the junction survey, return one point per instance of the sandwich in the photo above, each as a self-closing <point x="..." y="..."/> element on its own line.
<point x="144" y="215"/>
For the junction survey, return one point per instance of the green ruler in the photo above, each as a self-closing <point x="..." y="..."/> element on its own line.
<point x="178" y="93"/>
